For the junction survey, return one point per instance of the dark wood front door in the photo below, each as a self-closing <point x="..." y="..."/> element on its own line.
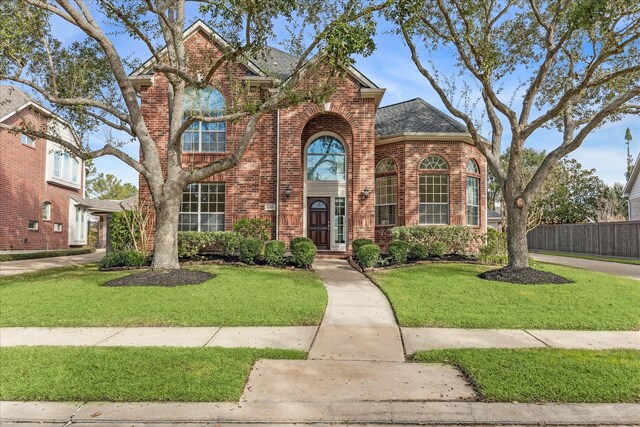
<point x="318" y="221"/>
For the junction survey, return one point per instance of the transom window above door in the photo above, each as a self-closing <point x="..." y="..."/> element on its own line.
<point x="202" y="137"/>
<point x="326" y="159"/>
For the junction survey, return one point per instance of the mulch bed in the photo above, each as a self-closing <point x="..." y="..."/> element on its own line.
<point x="169" y="278"/>
<point x="524" y="276"/>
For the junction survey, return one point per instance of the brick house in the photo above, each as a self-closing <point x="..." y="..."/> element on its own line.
<point x="41" y="186"/>
<point x="334" y="172"/>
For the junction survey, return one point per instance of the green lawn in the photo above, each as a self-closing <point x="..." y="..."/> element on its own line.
<point x="546" y="375"/>
<point x="591" y="257"/>
<point x="123" y="374"/>
<point x="237" y="296"/>
<point x="451" y="295"/>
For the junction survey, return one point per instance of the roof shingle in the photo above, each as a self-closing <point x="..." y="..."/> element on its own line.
<point x="12" y="98"/>
<point x="414" y="116"/>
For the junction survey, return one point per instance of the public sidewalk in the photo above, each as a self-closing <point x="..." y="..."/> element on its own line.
<point x="11" y="268"/>
<point x="616" y="268"/>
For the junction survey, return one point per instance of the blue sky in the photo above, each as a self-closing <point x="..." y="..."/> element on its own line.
<point x="391" y="67"/>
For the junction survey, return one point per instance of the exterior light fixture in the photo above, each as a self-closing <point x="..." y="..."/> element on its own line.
<point x="365" y="192"/>
<point x="287" y="191"/>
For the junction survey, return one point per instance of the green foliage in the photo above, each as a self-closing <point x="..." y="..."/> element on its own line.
<point x="121" y="238"/>
<point x="418" y="251"/>
<point x="250" y="249"/>
<point x="274" y="252"/>
<point x="127" y="258"/>
<point x="46" y="254"/>
<point x="192" y="243"/>
<point x="494" y="251"/>
<point x="297" y="240"/>
<point x="399" y="251"/>
<point x="109" y="187"/>
<point x="437" y="249"/>
<point x="257" y="228"/>
<point x="303" y="253"/>
<point x="456" y="238"/>
<point x="368" y="255"/>
<point x="358" y="243"/>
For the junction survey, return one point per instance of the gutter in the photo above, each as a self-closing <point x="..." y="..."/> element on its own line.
<point x="278" y="174"/>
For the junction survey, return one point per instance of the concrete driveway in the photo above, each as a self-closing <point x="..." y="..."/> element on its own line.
<point x="618" y="269"/>
<point x="11" y="268"/>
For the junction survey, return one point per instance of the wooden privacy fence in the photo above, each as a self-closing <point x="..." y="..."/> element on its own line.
<point x="603" y="238"/>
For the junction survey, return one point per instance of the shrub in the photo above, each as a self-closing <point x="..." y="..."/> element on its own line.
<point x="297" y="240"/>
<point x="124" y="259"/>
<point x="303" y="253"/>
<point x="192" y="243"/>
<point x="419" y="251"/>
<point x="437" y="249"/>
<point x="358" y="243"/>
<point x="47" y="254"/>
<point x="368" y="255"/>
<point x="274" y="252"/>
<point x="122" y="239"/>
<point x="494" y="251"/>
<point x="457" y="239"/>
<point x="250" y="249"/>
<point x="257" y="228"/>
<point x="399" y="251"/>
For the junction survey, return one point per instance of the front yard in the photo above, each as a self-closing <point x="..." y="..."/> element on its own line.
<point x="546" y="375"/>
<point x="121" y="374"/>
<point x="451" y="295"/>
<point x="237" y="296"/>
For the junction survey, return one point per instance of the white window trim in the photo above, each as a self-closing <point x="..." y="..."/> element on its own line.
<point x="46" y="211"/>
<point x="477" y="224"/>
<point x="346" y="157"/>
<point x="378" y="204"/>
<point x="37" y="225"/>
<point x="30" y="142"/>
<point x="199" y="211"/>
<point x="69" y="165"/>
<point x="433" y="203"/>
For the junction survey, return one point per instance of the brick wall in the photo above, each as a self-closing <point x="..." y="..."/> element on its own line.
<point x="23" y="190"/>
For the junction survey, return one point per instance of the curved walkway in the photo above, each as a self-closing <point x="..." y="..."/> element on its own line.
<point x="11" y="268"/>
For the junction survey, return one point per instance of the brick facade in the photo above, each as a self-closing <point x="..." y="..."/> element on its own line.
<point x="24" y="188"/>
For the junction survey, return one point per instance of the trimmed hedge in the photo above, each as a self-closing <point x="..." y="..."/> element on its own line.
<point x="250" y="249"/>
<point x="368" y="255"/>
<point x="47" y="254"/>
<point x="399" y="251"/>
<point x="274" y="252"/>
<point x="297" y="240"/>
<point x="257" y="228"/>
<point x="358" y="243"/>
<point x="303" y="252"/>
<point x="418" y="252"/>
<point x="192" y="243"/>
<point x="457" y="239"/>
<point x="437" y="249"/>
<point x="124" y="259"/>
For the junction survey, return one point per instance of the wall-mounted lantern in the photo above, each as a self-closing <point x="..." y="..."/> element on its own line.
<point x="287" y="191"/>
<point x="365" y="192"/>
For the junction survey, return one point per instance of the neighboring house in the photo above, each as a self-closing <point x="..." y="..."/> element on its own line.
<point x="494" y="220"/>
<point x="39" y="181"/>
<point x="632" y="192"/>
<point x="101" y="210"/>
<point x="334" y="172"/>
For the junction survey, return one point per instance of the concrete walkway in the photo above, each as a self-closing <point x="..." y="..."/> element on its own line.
<point x="616" y="268"/>
<point x="11" y="268"/>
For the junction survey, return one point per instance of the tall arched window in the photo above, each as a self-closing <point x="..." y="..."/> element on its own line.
<point x="46" y="211"/>
<point x="204" y="137"/>
<point x="433" y="191"/>
<point x="473" y="193"/>
<point x="326" y="159"/>
<point x="386" y="192"/>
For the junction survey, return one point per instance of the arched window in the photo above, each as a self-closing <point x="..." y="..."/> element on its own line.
<point x="472" y="166"/>
<point x="433" y="191"/>
<point x="326" y="159"/>
<point x="386" y="192"/>
<point x="204" y="137"/>
<point x="46" y="211"/>
<point x="473" y="194"/>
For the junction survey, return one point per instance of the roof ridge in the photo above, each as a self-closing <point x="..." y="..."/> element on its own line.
<point x="401" y="102"/>
<point x="443" y="114"/>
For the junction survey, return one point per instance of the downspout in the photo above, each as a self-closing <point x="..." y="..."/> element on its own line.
<point x="278" y="174"/>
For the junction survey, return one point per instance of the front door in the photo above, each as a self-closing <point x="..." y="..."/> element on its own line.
<point x="318" y="221"/>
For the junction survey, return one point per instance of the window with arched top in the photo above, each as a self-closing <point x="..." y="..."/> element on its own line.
<point x="203" y="137"/>
<point x="472" y="166"/>
<point x="46" y="211"/>
<point x="433" y="191"/>
<point x="326" y="159"/>
<point x="433" y="163"/>
<point x="386" y="199"/>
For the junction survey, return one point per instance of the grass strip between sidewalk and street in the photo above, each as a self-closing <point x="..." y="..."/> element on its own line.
<point x="631" y="261"/>
<point x="453" y="296"/>
<point x="546" y="375"/>
<point x="129" y="374"/>
<point x="236" y="296"/>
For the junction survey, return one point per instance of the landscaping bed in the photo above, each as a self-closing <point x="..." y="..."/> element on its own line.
<point x="129" y="374"/>
<point x="452" y="295"/>
<point x="546" y="375"/>
<point x="236" y="296"/>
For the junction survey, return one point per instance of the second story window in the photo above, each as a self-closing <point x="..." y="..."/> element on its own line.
<point x="204" y="137"/>
<point x="27" y="140"/>
<point x="66" y="167"/>
<point x="46" y="211"/>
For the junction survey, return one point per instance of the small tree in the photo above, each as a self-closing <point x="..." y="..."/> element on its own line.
<point x="109" y="187"/>
<point x="577" y="62"/>
<point x="87" y="83"/>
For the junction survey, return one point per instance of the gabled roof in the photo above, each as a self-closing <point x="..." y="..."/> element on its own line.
<point x="12" y="99"/>
<point x="632" y="179"/>
<point x="415" y="116"/>
<point x="104" y="206"/>
<point x="491" y="214"/>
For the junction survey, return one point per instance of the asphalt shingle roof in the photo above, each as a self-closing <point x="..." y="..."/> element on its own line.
<point x="414" y="116"/>
<point x="276" y="61"/>
<point x="12" y="98"/>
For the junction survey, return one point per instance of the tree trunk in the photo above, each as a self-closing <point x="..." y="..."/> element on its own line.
<point x="517" y="247"/>
<point x="165" y="251"/>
